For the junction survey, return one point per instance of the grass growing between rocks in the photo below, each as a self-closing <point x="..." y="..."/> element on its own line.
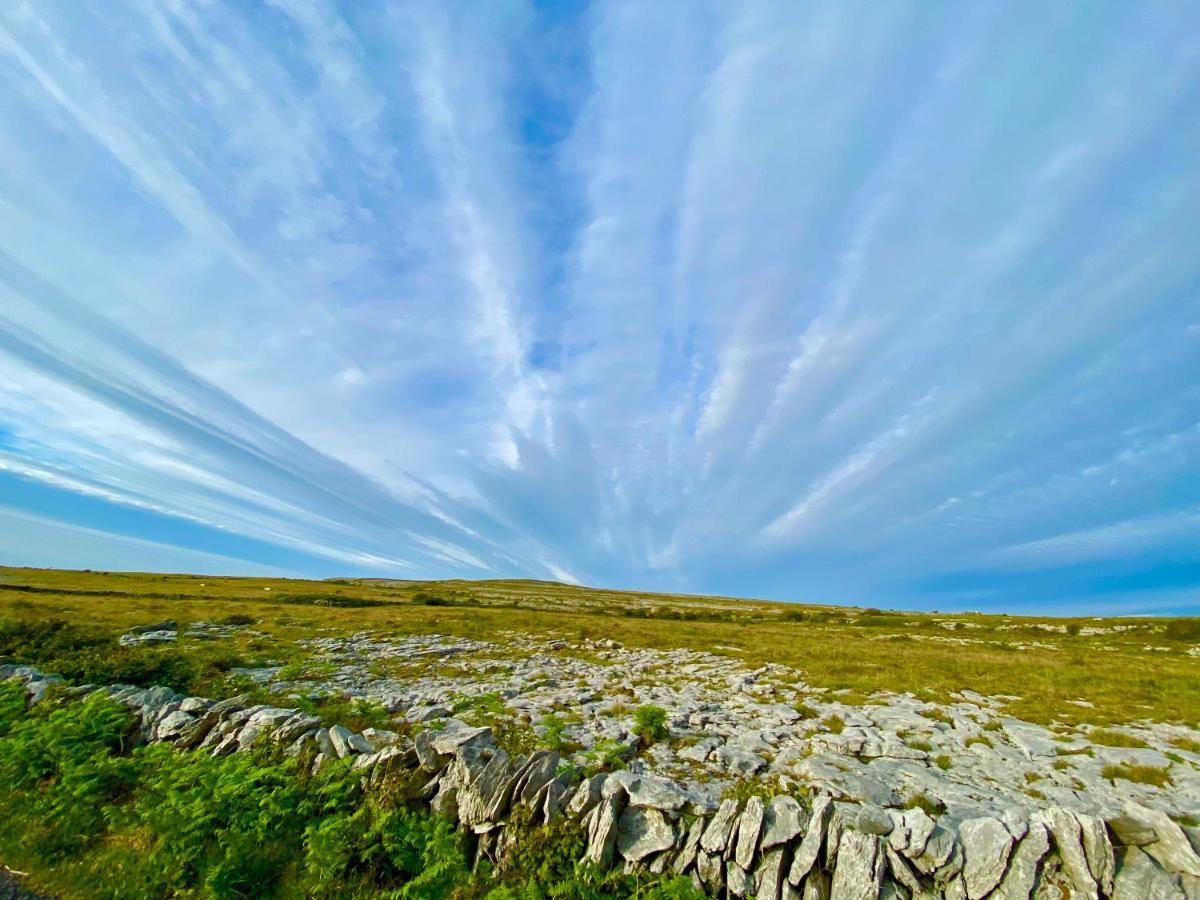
<point x="87" y="816"/>
<point x="1159" y="777"/>
<point x="1119" y="672"/>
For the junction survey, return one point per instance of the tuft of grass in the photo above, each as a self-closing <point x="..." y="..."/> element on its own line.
<point x="834" y="724"/>
<point x="943" y="762"/>
<point x="923" y="801"/>
<point x="1189" y="744"/>
<point x="1110" y="737"/>
<point x="919" y="744"/>
<point x="938" y="715"/>
<point x="1159" y="777"/>
<point x="992" y="725"/>
<point x="979" y="739"/>
<point x="806" y="711"/>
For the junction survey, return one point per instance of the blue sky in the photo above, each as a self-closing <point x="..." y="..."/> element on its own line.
<point x="886" y="303"/>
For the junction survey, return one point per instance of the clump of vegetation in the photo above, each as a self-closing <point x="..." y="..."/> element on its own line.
<point x="1159" y="777"/>
<point x="979" y="739"/>
<point x="90" y="817"/>
<point x="937" y="715"/>
<point x="919" y="744"/>
<point x="943" y="762"/>
<point x="424" y="598"/>
<point x="1183" y="630"/>
<point x="650" y="723"/>
<point x="1183" y="743"/>
<point x="552" y="735"/>
<point x="834" y="724"/>
<point x="923" y="801"/>
<point x="1110" y="737"/>
<point x="89" y="655"/>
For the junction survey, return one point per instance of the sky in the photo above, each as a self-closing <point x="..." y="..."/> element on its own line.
<point x="882" y="303"/>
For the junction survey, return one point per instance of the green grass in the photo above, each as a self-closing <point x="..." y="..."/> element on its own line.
<point x="979" y="739"/>
<point x="943" y="762"/>
<point x="1112" y="738"/>
<point x="837" y="648"/>
<point x="89" y="817"/>
<point x="1159" y="777"/>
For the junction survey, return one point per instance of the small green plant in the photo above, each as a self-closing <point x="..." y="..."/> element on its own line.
<point x="923" y="801"/>
<point x="937" y="714"/>
<point x="834" y="724"/>
<point x="1110" y="737"/>
<point x="943" y="762"/>
<point x="554" y="727"/>
<point x="919" y="744"/>
<point x="980" y="739"/>
<point x="992" y="725"/>
<point x="650" y="723"/>
<point x="805" y="711"/>
<point x="1159" y="777"/>
<point x="1188" y="744"/>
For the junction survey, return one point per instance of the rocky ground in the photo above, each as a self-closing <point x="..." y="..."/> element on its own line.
<point x="902" y="797"/>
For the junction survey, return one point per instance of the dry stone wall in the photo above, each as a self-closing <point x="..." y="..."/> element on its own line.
<point x="780" y="848"/>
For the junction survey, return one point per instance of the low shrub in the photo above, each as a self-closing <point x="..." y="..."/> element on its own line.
<point x="650" y="723"/>
<point x="91" y="817"/>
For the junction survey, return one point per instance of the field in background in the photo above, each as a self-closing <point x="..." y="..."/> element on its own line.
<point x="1099" y="670"/>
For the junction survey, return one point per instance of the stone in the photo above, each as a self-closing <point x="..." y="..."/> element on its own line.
<point x="901" y="871"/>
<point x="262" y="723"/>
<point x="686" y="857"/>
<point x="1021" y="878"/>
<point x="783" y="820"/>
<point x="939" y="849"/>
<point x="450" y="740"/>
<point x="1068" y="838"/>
<point x="429" y="759"/>
<point x="643" y="831"/>
<point x="656" y="793"/>
<point x="769" y="877"/>
<point x="873" y="820"/>
<point x="736" y="880"/>
<point x="172" y="725"/>
<point x="1171" y="847"/>
<point x="1098" y="850"/>
<point x="986" y="845"/>
<point x="711" y="870"/>
<point x="814" y="835"/>
<point x="748" y="830"/>
<point x="538" y="771"/>
<point x="816" y="886"/>
<point x="486" y="798"/>
<point x="1139" y="876"/>
<point x="586" y="796"/>
<point x="716" y="835"/>
<point x="602" y="832"/>
<point x="339" y="736"/>
<point x="859" y="872"/>
<point x="910" y="838"/>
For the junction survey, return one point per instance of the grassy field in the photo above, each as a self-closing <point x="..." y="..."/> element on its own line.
<point x="1066" y="670"/>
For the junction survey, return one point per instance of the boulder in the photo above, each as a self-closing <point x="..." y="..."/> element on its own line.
<point x="814" y="835"/>
<point x="1140" y="876"/>
<point x="859" y="871"/>
<point x="716" y="835"/>
<point x="769" y="877"/>
<point x="986" y="846"/>
<point x="737" y="882"/>
<point x="1021" y="878"/>
<point x="643" y="831"/>
<point x="783" y="820"/>
<point x="656" y="793"/>
<point x="1099" y="852"/>
<point x="1068" y="838"/>
<point x="873" y="820"/>
<point x="748" y="831"/>
<point x="1170" y="847"/>
<point x="602" y="832"/>
<point x="686" y="857"/>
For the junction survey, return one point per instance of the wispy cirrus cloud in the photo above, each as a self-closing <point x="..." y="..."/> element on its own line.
<point x="795" y="301"/>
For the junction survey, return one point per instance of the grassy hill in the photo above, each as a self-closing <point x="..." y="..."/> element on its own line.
<point x="1098" y="670"/>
